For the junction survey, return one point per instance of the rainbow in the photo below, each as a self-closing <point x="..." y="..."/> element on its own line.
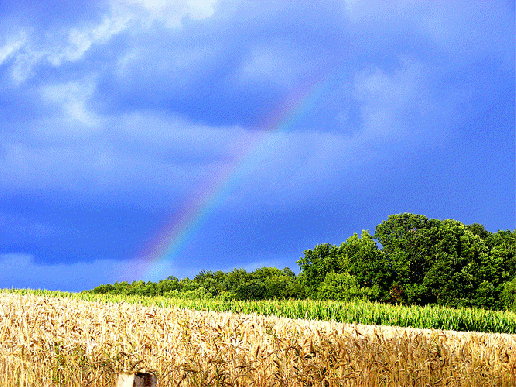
<point x="156" y="260"/>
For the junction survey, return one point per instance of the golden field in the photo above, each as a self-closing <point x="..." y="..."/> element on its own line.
<point x="51" y="341"/>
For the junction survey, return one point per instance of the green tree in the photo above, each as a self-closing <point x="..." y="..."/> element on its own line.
<point x="167" y="285"/>
<point x="508" y="295"/>
<point x="362" y="258"/>
<point x="233" y="280"/>
<point x="408" y="243"/>
<point x="267" y="283"/>
<point x="341" y="286"/>
<point x="316" y="263"/>
<point x="210" y="281"/>
<point x="251" y="290"/>
<point x="456" y="273"/>
<point x="104" y="289"/>
<point x="497" y="269"/>
<point x="121" y="288"/>
<point x="289" y="273"/>
<point x="478" y="229"/>
<point x="275" y="280"/>
<point x="502" y="247"/>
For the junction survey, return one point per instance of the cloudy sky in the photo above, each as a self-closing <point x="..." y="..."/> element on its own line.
<point x="146" y="138"/>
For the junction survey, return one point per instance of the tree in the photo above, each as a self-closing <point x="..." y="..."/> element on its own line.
<point x="408" y="243"/>
<point x="167" y="285"/>
<point x="478" y="229"/>
<point x="251" y="290"/>
<point x="497" y="269"/>
<point x="103" y="289"/>
<point x="362" y="258"/>
<point x="211" y="282"/>
<point x="502" y="247"/>
<point x="508" y="295"/>
<point x="341" y="286"/>
<point x="233" y="280"/>
<point x="289" y="273"/>
<point x="317" y="263"/>
<point x="456" y="273"/>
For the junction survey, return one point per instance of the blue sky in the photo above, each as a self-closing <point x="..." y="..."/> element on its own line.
<point x="283" y="124"/>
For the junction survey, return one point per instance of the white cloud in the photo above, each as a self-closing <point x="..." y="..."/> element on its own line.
<point x="397" y="113"/>
<point x="79" y="149"/>
<point x="158" y="155"/>
<point x="125" y="16"/>
<point x="168" y="68"/>
<point x="390" y="102"/>
<point x="458" y="32"/>
<point x="350" y="5"/>
<point x="178" y="136"/>
<point x="81" y="40"/>
<point x="72" y="99"/>
<point x="278" y="63"/>
<point x="151" y="153"/>
<point x="12" y="46"/>
<point x="290" y="169"/>
<point x="139" y="153"/>
<point x="480" y="30"/>
<point x="59" y="47"/>
<point x="23" y="166"/>
<point x="87" y="169"/>
<point x="171" y="12"/>
<point x="24" y="63"/>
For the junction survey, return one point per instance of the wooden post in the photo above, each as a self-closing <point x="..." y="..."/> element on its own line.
<point x="140" y="379"/>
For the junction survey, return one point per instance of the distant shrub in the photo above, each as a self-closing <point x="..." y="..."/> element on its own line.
<point x="197" y="294"/>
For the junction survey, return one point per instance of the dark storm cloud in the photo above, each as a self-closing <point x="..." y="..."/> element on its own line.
<point x="115" y="113"/>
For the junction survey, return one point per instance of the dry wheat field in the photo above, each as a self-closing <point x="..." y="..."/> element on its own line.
<point x="51" y="341"/>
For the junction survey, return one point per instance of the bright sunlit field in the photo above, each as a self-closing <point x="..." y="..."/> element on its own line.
<point x="57" y="339"/>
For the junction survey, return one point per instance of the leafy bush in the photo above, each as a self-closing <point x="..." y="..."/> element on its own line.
<point x="508" y="295"/>
<point x="341" y="287"/>
<point x="196" y="294"/>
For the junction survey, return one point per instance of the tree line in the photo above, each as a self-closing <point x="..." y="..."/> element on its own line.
<point x="410" y="259"/>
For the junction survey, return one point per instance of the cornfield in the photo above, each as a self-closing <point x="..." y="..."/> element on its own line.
<point x="363" y="312"/>
<point x="65" y="341"/>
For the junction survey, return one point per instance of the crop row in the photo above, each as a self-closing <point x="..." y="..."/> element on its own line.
<point x="67" y="342"/>
<point x="361" y="312"/>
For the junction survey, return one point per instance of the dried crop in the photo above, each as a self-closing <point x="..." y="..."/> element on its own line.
<point x="363" y="312"/>
<point x="53" y="341"/>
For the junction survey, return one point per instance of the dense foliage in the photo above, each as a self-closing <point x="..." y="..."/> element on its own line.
<point x="410" y="259"/>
